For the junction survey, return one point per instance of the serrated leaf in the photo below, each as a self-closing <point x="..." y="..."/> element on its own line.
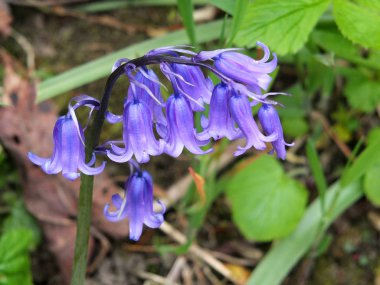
<point x="359" y="21"/>
<point x="371" y="185"/>
<point x="282" y="25"/>
<point x="266" y="203"/>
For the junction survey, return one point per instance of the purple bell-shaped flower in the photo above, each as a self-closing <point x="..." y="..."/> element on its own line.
<point x="181" y="132"/>
<point x="68" y="154"/>
<point x="137" y="205"/>
<point x="220" y="123"/>
<point x="271" y="124"/>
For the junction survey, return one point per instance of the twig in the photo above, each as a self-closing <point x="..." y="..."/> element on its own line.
<point x="233" y="260"/>
<point x="198" y="251"/>
<point x="176" y="269"/>
<point x="154" y="277"/>
<point x="326" y="126"/>
<point x="27" y="47"/>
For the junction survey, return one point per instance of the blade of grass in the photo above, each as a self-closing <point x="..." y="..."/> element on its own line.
<point x="317" y="171"/>
<point x="103" y="6"/>
<point x="101" y="67"/>
<point x="239" y="11"/>
<point x="185" y="8"/>
<point x="227" y="6"/>
<point x="285" y="253"/>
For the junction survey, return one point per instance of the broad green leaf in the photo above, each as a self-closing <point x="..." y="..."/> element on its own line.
<point x="363" y="93"/>
<point x="283" y="25"/>
<point x="185" y="8"/>
<point x="101" y="67"/>
<point x="266" y="203"/>
<point x="372" y="184"/>
<point x="359" y="21"/>
<point x="285" y="253"/>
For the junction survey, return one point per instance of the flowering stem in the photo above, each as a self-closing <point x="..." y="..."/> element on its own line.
<point x="86" y="188"/>
<point x="87" y="182"/>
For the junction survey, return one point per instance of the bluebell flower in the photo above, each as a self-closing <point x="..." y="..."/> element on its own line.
<point x="194" y="84"/>
<point x="181" y="131"/>
<point x="146" y="77"/>
<point x="68" y="154"/>
<point x="241" y="112"/>
<point x="138" y="135"/>
<point x="271" y="124"/>
<point x="242" y="68"/>
<point x="220" y="123"/>
<point x="136" y="205"/>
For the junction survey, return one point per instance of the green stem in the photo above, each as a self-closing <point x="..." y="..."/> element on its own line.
<point x="86" y="188"/>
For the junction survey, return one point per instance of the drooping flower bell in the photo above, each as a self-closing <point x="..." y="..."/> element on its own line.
<point x="138" y="136"/>
<point x="271" y="124"/>
<point x="242" y="68"/>
<point x="136" y="205"/>
<point x="181" y="130"/>
<point x="240" y="109"/>
<point x="68" y="154"/>
<point x="220" y="123"/>
<point x="194" y="84"/>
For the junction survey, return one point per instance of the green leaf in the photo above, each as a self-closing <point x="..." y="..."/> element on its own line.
<point x="363" y="93"/>
<point x="317" y="170"/>
<point x="293" y="115"/>
<point x="239" y="12"/>
<point x="285" y="253"/>
<point x="227" y="6"/>
<point x="101" y="67"/>
<point x="266" y="203"/>
<point x="109" y="5"/>
<point x="332" y="41"/>
<point x="185" y="8"/>
<point x="14" y="257"/>
<point x="282" y="25"/>
<point x="359" y="22"/>
<point x="371" y="184"/>
<point x="21" y="219"/>
<point x="366" y="160"/>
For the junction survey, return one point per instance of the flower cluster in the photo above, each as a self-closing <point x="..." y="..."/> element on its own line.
<point x="156" y="122"/>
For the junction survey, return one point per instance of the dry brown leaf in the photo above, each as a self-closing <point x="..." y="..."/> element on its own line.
<point x="5" y="18"/>
<point x="50" y="198"/>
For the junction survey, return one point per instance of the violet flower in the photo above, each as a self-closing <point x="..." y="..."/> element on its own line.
<point x="137" y="205"/>
<point x="181" y="131"/>
<point x="138" y="136"/>
<point x="220" y="123"/>
<point x="68" y="154"/>
<point x="240" y="109"/>
<point x="194" y="84"/>
<point x="271" y="124"/>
